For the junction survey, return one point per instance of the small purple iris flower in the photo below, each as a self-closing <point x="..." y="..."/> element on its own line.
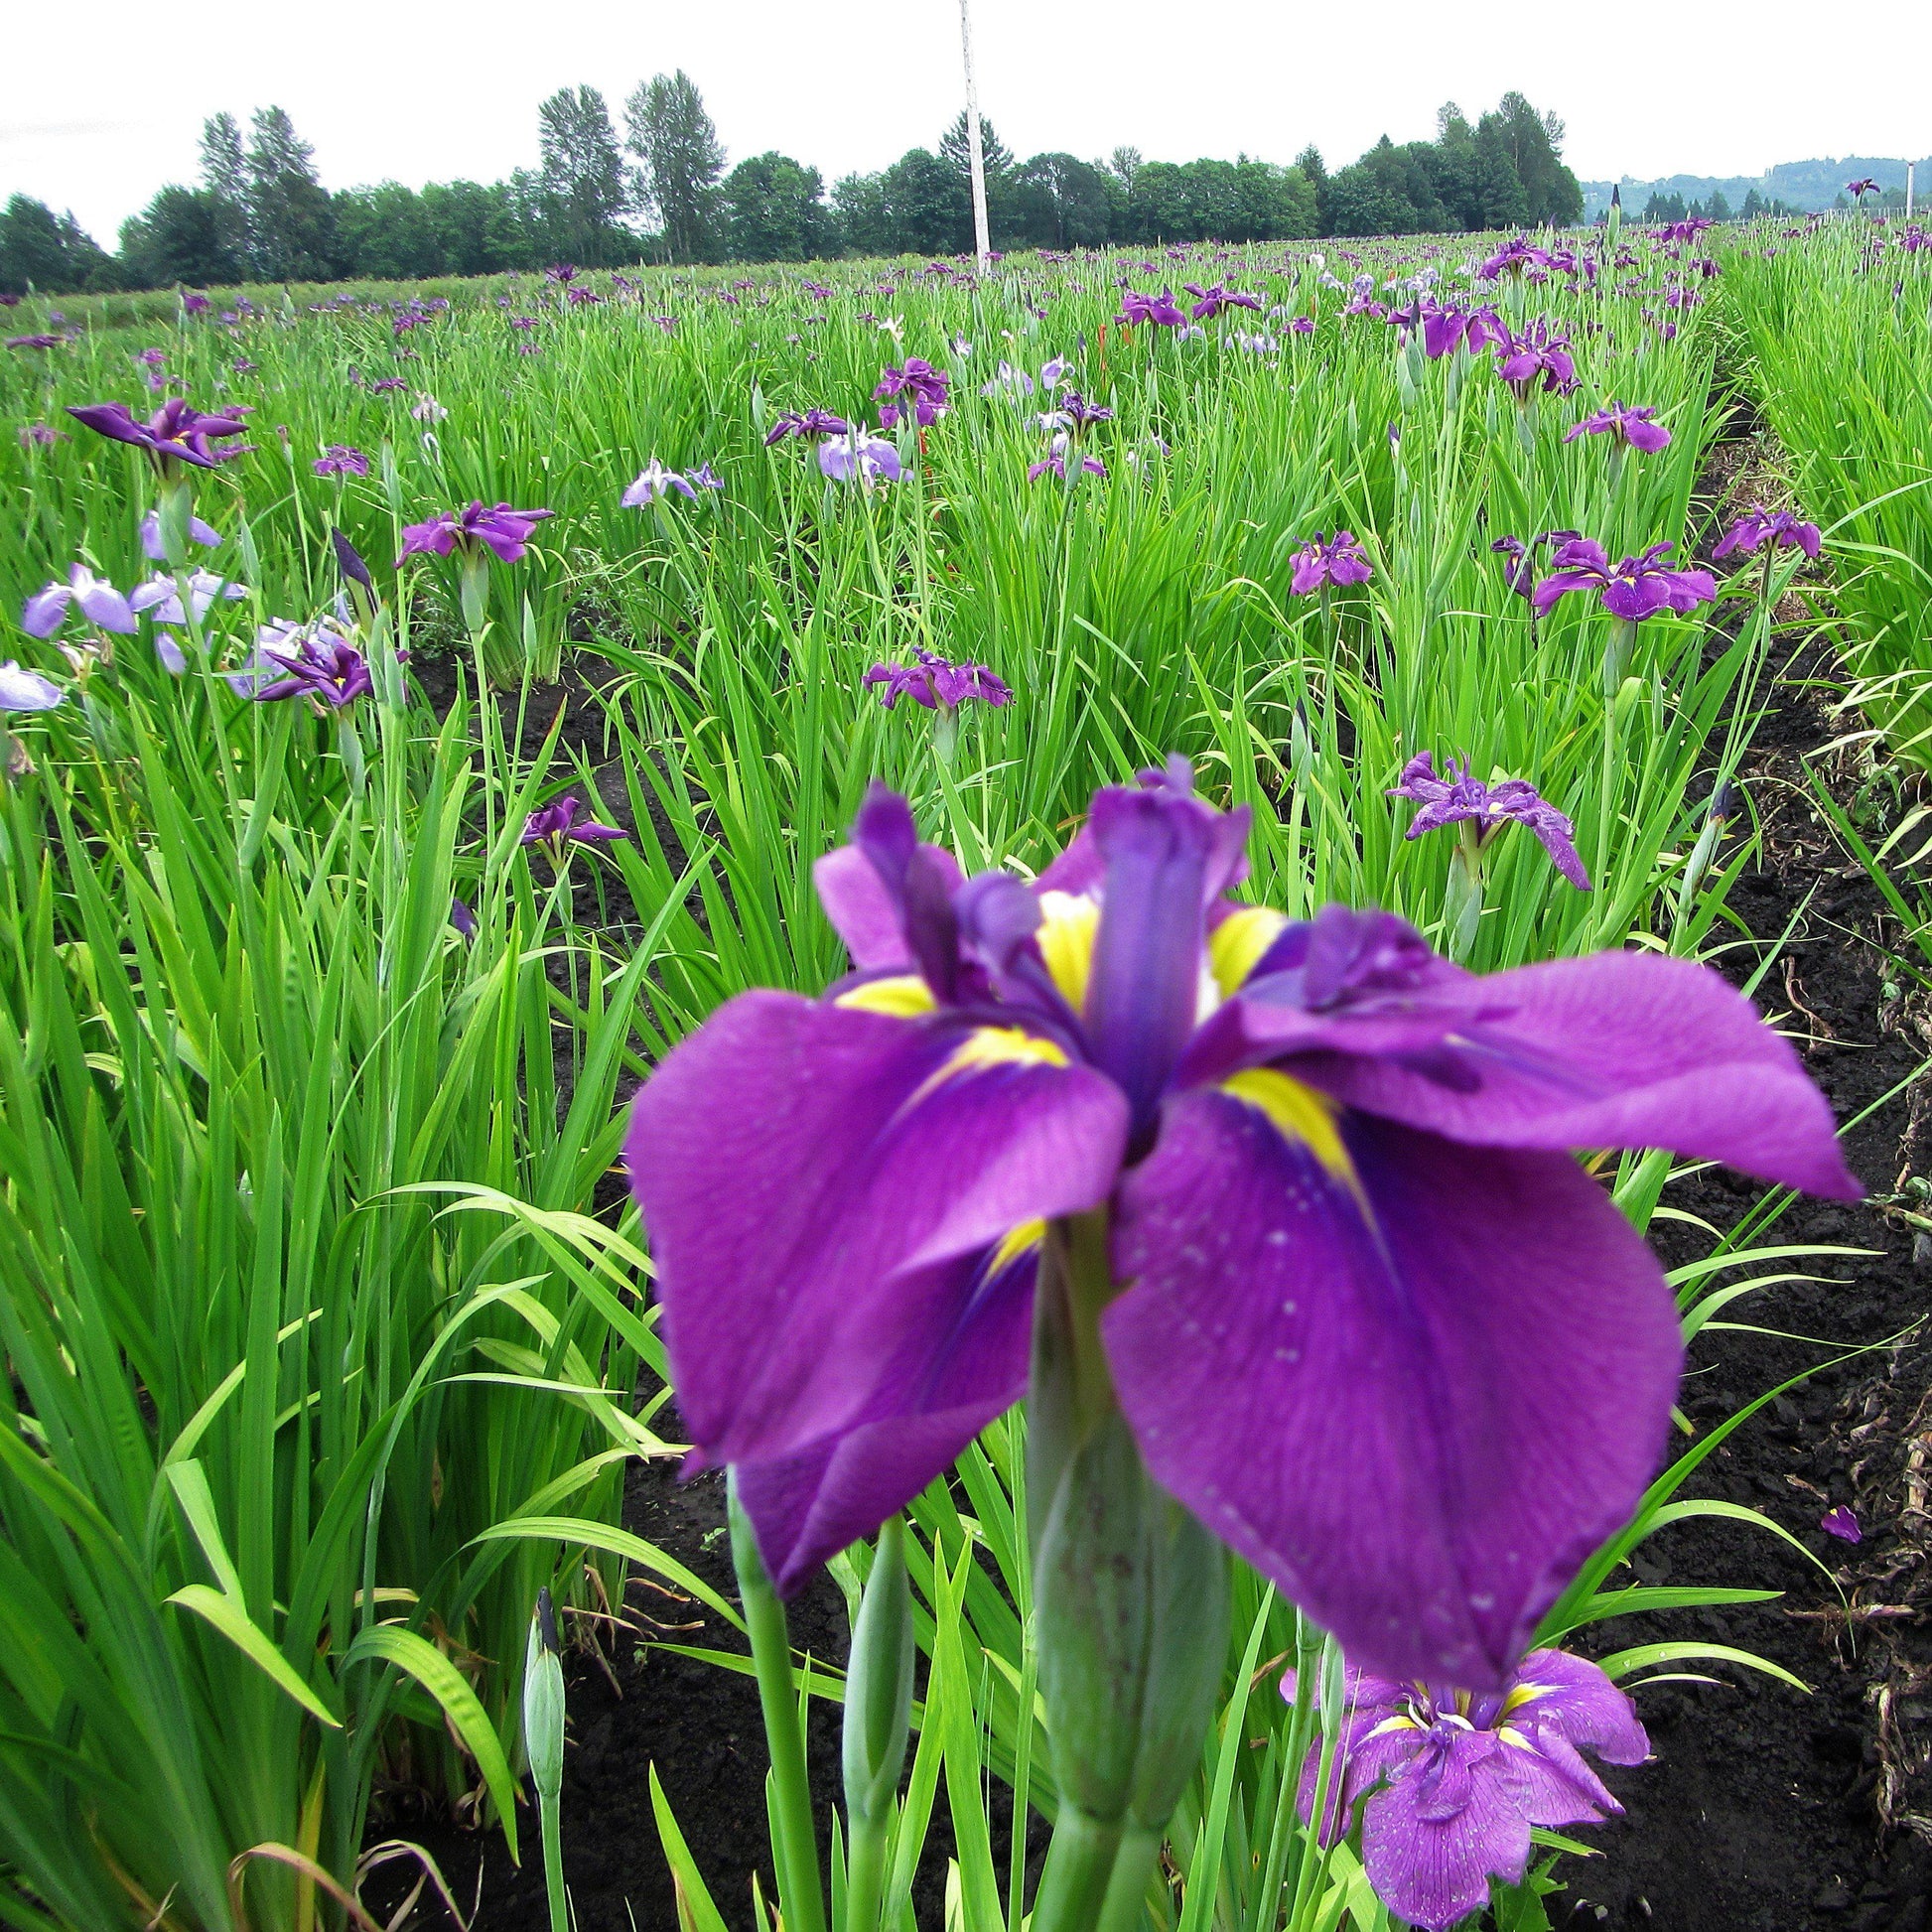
<point x="1520" y="571"/>
<point x="1158" y="310"/>
<point x="98" y="601"/>
<point x="23" y="690"/>
<point x="175" y="432"/>
<point x="1460" y="799"/>
<point x="156" y="552"/>
<point x="341" y="460"/>
<point x="1862" y="187"/>
<point x="1453" y="1782"/>
<point x="655" y="481"/>
<point x="1513" y="257"/>
<point x="1539" y="354"/>
<point x="506" y="532"/>
<point x="1212" y="301"/>
<point x="1376" y="1327"/>
<point x="937" y="684"/>
<point x="1629" y="428"/>
<point x="293" y="661"/>
<point x="921" y="386"/>
<point x="811" y="425"/>
<point x="1081" y="414"/>
<point x="556" y="825"/>
<point x="1779" y="528"/>
<point x="34" y="341"/>
<point x="1843" y="1523"/>
<point x="39" y="435"/>
<point x="1636" y="589"/>
<point x="462" y="918"/>
<point x="1321" y="561"/>
<point x="860" y="457"/>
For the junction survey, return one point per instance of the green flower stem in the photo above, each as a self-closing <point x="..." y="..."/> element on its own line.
<point x="764" y="1618"/>
<point x="864" y="1873"/>
<point x="1079" y="1865"/>
<point x="1123" y="1908"/>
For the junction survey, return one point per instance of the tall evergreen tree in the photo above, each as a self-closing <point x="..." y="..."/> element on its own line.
<point x="680" y="160"/>
<point x="291" y="219"/>
<point x="224" y="178"/>
<point x="954" y="149"/>
<point x="584" y="174"/>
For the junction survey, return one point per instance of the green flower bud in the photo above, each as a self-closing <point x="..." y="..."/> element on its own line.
<point x="543" y="1702"/>
<point x="879" y="1683"/>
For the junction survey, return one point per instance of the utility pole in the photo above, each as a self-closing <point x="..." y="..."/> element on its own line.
<point x="1909" y="166"/>
<point x="976" y="153"/>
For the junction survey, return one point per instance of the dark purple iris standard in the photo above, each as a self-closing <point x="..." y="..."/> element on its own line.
<point x="1217" y="298"/>
<point x="1632" y="590"/>
<point x="1453" y="1783"/>
<point x="808" y="425"/>
<point x="1627" y="428"/>
<point x="1519" y="573"/>
<point x="937" y="684"/>
<point x="1158" y="310"/>
<point x="921" y="388"/>
<point x="1862" y="187"/>
<point x="1779" y="528"/>
<point x="1324" y="560"/>
<point x="479" y="526"/>
<point x="1446" y="329"/>
<point x="1369" y="1321"/>
<point x="556" y="825"/>
<point x="1513" y="258"/>
<point x="1459" y="799"/>
<point x="313" y="661"/>
<point x="1540" y="355"/>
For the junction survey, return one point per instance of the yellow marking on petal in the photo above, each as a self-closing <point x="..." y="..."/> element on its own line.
<point x="1509" y="1734"/>
<point x="1236" y="946"/>
<point x="1300" y="1114"/>
<point x="1029" y="1234"/>
<point x="990" y="1046"/>
<point x="1068" y="925"/>
<point x="1522" y="1694"/>
<point x="1393" y="1723"/>
<point x="903" y="997"/>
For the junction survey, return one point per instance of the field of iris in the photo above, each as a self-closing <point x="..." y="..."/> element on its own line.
<point x="329" y="957"/>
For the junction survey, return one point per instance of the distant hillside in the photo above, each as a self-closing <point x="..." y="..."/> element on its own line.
<point x="1804" y="185"/>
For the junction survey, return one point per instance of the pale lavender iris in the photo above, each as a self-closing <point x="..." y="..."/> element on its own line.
<point x="506" y="532"/>
<point x="1635" y="589"/>
<point x="932" y="681"/>
<point x="1460" y="799"/>
<point x="860" y="457"/>
<point x="1627" y="428"/>
<point x="97" y="600"/>
<point x="24" y="690"/>
<point x="1324" y="561"/>
<point x="557" y="825"/>
<point x="161" y="597"/>
<point x="1779" y="528"/>
<point x="1454" y="1783"/>
<point x="156" y="551"/>
<point x="1377" y="1328"/>
<point x="175" y="432"/>
<point x="653" y="482"/>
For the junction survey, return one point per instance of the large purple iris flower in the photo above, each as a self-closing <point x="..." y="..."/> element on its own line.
<point x="498" y="528"/>
<point x="1629" y="428"/>
<point x="1459" y="798"/>
<point x="1779" y="528"/>
<point x="936" y="683"/>
<point x="1373" y="1326"/>
<point x="1338" y="560"/>
<point x="1636" y="589"/>
<point x="177" y="432"/>
<point x="1453" y="1782"/>
<point x="1157" y="309"/>
<point x="1540" y="354"/>
<point x="1446" y="329"/>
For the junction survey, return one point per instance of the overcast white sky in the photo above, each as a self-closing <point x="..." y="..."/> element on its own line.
<point x="108" y="96"/>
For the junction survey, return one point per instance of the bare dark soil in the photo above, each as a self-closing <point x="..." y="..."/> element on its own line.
<point x="1764" y="1808"/>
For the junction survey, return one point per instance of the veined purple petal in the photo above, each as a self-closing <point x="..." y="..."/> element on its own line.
<point x="44" y="612"/>
<point x="809" y="1177"/>
<point x="864" y="913"/>
<point x="1439" y="1375"/>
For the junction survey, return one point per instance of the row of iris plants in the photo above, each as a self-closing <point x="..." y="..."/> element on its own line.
<point x="328" y="958"/>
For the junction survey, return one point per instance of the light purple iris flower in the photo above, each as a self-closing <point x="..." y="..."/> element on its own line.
<point x="809" y="426"/>
<point x="24" y="690"/>
<point x="1158" y="310"/>
<point x="1376" y="1327"/>
<point x="293" y="661"/>
<point x="653" y="481"/>
<point x="1453" y="1783"/>
<point x="161" y="596"/>
<point x="1636" y="589"/>
<point x="480" y="526"/>
<point x="1627" y="428"/>
<point x="937" y="684"/>
<point x="156" y="552"/>
<point x="98" y="601"/>
<point x="341" y="460"/>
<point x="1321" y="561"/>
<point x="1460" y="799"/>
<point x="1778" y="528"/>
<point x="175" y="432"/>
<point x="556" y="825"/>
<point x="860" y="457"/>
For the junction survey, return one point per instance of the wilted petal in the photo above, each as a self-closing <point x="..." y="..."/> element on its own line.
<point x="1439" y="1375"/>
<point x="808" y="1176"/>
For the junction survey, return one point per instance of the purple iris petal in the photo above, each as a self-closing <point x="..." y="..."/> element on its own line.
<point x="860" y="457"/>
<point x="1627" y="427"/>
<point x="177" y="432"/>
<point x="24" y="690"/>
<point x="101" y="603"/>
<point x="935" y="684"/>
<point x="1338" y="560"/>
<point x="558" y="822"/>
<point x="476" y="527"/>
<point x="654" y="481"/>
<point x="156" y="552"/>
<point x="1460" y="797"/>
<point x="1776" y="527"/>
<point x="1842" y="1523"/>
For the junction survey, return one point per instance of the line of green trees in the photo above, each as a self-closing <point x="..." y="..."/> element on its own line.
<point x="660" y="192"/>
